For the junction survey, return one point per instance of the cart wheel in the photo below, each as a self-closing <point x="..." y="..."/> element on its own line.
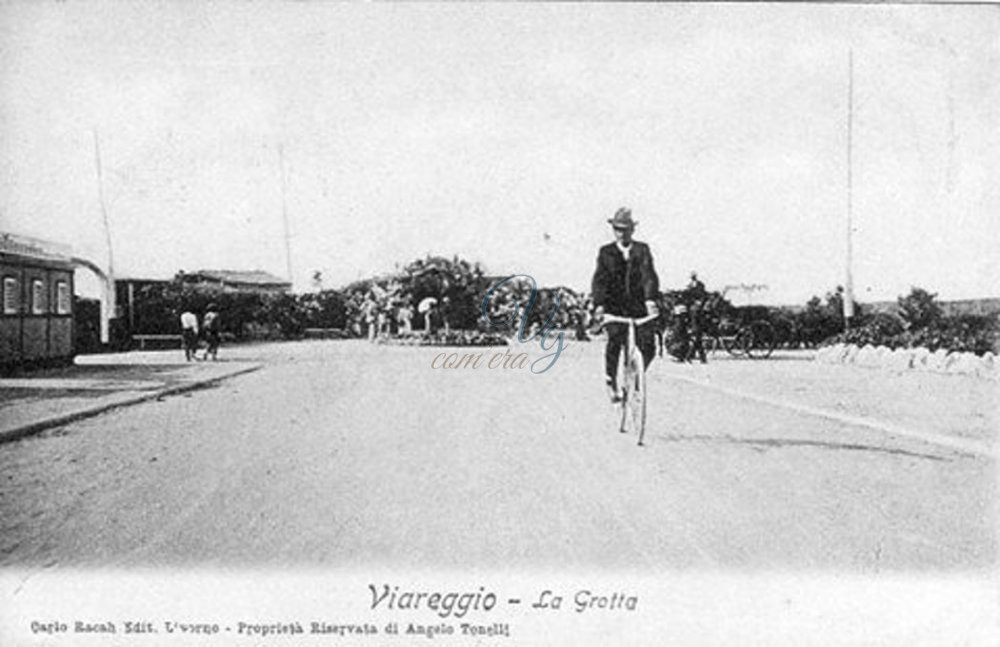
<point x="760" y="340"/>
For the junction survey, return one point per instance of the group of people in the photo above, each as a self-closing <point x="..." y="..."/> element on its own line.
<point x="209" y="330"/>
<point x="380" y="310"/>
<point x="625" y="283"/>
<point x="385" y="310"/>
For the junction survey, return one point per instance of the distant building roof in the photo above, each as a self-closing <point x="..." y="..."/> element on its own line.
<point x="122" y="278"/>
<point x="257" y="278"/>
<point x="239" y="277"/>
<point x="35" y="248"/>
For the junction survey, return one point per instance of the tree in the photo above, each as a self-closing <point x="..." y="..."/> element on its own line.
<point x="819" y="320"/>
<point x="835" y="305"/>
<point x="919" y="309"/>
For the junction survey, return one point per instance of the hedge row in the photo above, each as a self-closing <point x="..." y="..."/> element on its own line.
<point x="919" y="322"/>
<point x="964" y="333"/>
<point x="459" y="287"/>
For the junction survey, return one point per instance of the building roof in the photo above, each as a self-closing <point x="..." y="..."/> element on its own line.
<point x="35" y="249"/>
<point x="124" y="278"/>
<point x="252" y="277"/>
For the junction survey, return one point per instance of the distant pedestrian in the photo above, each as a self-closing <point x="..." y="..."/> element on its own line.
<point x="382" y="322"/>
<point x="695" y="297"/>
<point x="681" y="337"/>
<point x="428" y="307"/>
<point x="368" y="309"/>
<point x="212" y="331"/>
<point x="696" y="331"/>
<point x="404" y="318"/>
<point x="189" y="334"/>
<point x="444" y="311"/>
<point x="696" y="289"/>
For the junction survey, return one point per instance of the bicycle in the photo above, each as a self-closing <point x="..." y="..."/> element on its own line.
<point x="632" y="377"/>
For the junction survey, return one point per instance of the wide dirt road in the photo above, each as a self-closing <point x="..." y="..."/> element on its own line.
<point x="344" y="453"/>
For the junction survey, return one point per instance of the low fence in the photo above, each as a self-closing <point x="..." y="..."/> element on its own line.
<point x="911" y="359"/>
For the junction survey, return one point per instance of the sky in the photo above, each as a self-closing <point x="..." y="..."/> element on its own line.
<point x="508" y="134"/>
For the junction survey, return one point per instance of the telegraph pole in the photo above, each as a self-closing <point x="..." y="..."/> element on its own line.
<point x="849" y="278"/>
<point x="108" y="303"/>
<point x="284" y="212"/>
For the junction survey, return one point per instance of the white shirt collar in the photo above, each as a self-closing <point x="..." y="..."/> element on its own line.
<point x="623" y="249"/>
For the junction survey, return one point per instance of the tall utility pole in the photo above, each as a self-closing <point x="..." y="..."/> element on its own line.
<point x="108" y="302"/>
<point x="849" y="278"/>
<point x="284" y="211"/>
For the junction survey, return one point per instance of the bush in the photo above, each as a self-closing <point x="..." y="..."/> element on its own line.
<point x="286" y="313"/>
<point x="821" y="322"/>
<point x="920" y="322"/>
<point x="962" y="333"/>
<point x="325" y="309"/>
<point x="919" y="309"/>
<point x="971" y="333"/>
<point x="877" y="329"/>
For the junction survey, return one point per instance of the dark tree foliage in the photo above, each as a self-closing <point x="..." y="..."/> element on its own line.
<point x="919" y="309"/>
<point x="920" y="322"/>
<point x="459" y="287"/>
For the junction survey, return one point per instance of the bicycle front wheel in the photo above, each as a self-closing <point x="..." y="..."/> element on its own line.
<point x="624" y="393"/>
<point x="637" y="403"/>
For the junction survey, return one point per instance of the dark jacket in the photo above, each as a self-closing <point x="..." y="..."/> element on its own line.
<point x="621" y="287"/>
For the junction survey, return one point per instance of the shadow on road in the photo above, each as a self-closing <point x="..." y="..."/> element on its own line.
<point x="762" y="444"/>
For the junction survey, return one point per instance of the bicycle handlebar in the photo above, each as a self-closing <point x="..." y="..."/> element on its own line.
<point x="639" y="321"/>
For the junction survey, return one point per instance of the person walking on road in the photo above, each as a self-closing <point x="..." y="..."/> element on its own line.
<point x="212" y="330"/>
<point x="625" y="284"/>
<point x="696" y="297"/>
<point x="189" y="334"/>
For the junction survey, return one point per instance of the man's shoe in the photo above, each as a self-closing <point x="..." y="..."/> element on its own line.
<point x="613" y="393"/>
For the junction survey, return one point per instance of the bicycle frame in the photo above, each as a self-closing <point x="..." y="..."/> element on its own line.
<point x="633" y="378"/>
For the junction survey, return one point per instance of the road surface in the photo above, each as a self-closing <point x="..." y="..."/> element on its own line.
<point x="347" y="454"/>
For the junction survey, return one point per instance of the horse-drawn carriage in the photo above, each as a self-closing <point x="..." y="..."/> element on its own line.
<point x="744" y="331"/>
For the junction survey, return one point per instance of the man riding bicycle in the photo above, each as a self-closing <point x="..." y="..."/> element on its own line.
<point x="625" y="284"/>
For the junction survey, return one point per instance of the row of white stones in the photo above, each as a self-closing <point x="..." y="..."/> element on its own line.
<point x="903" y="359"/>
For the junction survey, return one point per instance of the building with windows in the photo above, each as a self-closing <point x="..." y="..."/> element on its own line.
<point x="36" y="287"/>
